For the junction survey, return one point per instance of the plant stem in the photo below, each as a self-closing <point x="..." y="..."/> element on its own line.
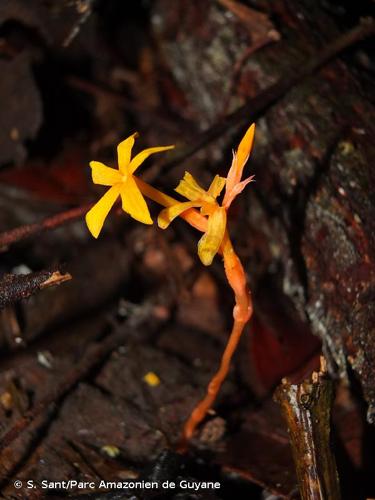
<point x="242" y="310"/>
<point x="241" y="313"/>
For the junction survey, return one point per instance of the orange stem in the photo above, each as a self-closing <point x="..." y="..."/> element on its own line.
<point x="201" y="409"/>
<point x="241" y="313"/>
<point x="242" y="310"/>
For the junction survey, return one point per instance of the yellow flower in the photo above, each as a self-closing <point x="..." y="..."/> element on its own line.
<point x="122" y="184"/>
<point x="212" y="238"/>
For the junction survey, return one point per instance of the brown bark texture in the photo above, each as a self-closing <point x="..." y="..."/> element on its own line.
<point x="306" y="407"/>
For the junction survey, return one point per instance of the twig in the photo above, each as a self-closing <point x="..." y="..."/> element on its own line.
<point x="56" y="278"/>
<point x="307" y="410"/>
<point x="16" y="287"/>
<point x="23" y="232"/>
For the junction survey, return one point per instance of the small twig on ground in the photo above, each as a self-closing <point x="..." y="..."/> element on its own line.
<point x="23" y="232"/>
<point x="56" y="278"/>
<point x="306" y="407"/>
<point x="15" y="287"/>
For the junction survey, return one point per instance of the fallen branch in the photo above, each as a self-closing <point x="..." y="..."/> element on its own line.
<point x="15" y="287"/>
<point x="306" y="407"/>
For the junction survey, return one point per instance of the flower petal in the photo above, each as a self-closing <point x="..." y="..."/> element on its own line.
<point x="96" y="216"/>
<point x="216" y="186"/>
<point x="141" y="157"/>
<point x="210" y="242"/>
<point x="238" y="188"/>
<point x="133" y="202"/>
<point x="239" y="159"/>
<point x="245" y="147"/>
<point x="167" y="215"/>
<point x="124" y="151"/>
<point x="103" y="175"/>
<point x="190" y="188"/>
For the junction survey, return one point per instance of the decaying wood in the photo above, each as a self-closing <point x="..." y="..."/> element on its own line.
<point x="58" y="305"/>
<point x="306" y="407"/>
<point x="16" y="287"/>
